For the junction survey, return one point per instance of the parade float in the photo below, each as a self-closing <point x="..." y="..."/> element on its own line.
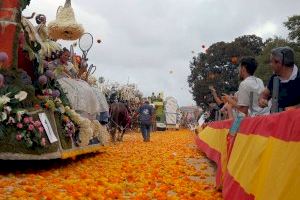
<point x="160" y="118"/>
<point x="48" y="110"/>
<point x="167" y="113"/>
<point x="172" y="113"/>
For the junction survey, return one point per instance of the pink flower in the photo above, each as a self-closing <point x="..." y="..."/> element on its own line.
<point x="30" y="119"/>
<point x="20" y="125"/>
<point x="3" y="56"/>
<point x="43" y="142"/>
<point x="30" y="127"/>
<point x="43" y="80"/>
<point x="55" y="93"/>
<point x="37" y="123"/>
<point x="26" y="120"/>
<point x="50" y="74"/>
<point x="41" y="130"/>
<point x="19" y="137"/>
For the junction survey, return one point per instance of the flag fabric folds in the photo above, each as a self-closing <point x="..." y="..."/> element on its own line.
<point x="261" y="161"/>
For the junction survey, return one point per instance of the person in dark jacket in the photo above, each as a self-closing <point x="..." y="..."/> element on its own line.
<point x="145" y="117"/>
<point x="283" y="64"/>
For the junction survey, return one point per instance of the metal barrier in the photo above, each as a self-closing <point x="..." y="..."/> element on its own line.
<point x="275" y="93"/>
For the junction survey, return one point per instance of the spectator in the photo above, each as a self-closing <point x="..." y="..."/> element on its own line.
<point x="250" y="84"/>
<point x="227" y="111"/>
<point x="283" y="65"/>
<point x="217" y="99"/>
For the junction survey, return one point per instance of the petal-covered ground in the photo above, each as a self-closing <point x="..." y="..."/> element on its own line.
<point x="168" y="167"/>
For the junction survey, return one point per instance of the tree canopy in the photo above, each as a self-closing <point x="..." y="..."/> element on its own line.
<point x="293" y="25"/>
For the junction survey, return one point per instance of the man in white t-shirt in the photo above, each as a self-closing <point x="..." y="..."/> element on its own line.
<point x="249" y="89"/>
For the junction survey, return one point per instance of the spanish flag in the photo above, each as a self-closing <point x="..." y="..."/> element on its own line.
<point x="262" y="161"/>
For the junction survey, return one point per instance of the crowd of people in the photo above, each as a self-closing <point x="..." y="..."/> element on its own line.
<point x="252" y="97"/>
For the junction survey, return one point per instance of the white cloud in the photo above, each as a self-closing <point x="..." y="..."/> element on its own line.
<point x="266" y="30"/>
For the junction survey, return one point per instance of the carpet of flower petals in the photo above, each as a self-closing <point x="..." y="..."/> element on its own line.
<point x="132" y="169"/>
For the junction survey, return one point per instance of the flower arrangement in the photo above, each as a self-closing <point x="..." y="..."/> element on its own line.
<point x="69" y="127"/>
<point x="7" y="101"/>
<point x="48" y="91"/>
<point x="49" y="104"/>
<point x="81" y="129"/>
<point x="47" y="85"/>
<point x="28" y="130"/>
<point x="84" y="124"/>
<point x="88" y="129"/>
<point x="100" y="132"/>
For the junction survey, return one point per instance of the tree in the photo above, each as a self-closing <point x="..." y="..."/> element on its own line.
<point x="293" y="25"/>
<point x="250" y="44"/>
<point x="211" y="69"/>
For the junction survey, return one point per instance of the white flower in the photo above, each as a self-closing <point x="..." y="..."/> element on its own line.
<point x="19" y="115"/>
<point x="7" y="109"/>
<point x="4" y="100"/>
<point x="21" y="96"/>
<point x="11" y="120"/>
<point x="3" y="116"/>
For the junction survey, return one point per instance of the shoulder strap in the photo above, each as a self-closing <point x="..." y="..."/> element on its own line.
<point x="251" y="102"/>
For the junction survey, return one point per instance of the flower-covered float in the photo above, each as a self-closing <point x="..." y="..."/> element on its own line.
<point x="49" y="104"/>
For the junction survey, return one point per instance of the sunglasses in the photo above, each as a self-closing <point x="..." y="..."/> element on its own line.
<point x="282" y="62"/>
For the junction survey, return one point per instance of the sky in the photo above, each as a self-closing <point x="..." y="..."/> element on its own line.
<point x="151" y="42"/>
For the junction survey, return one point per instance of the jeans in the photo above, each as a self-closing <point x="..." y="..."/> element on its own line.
<point x="146" y="131"/>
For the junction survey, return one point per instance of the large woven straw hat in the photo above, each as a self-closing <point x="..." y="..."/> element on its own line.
<point x="65" y="26"/>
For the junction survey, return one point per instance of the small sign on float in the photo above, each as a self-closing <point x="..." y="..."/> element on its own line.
<point x="48" y="128"/>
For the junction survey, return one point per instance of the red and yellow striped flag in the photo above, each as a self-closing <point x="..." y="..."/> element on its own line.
<point x="261" y="162"/>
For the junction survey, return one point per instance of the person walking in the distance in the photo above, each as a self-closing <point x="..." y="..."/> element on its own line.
<point x="145" y="118"/>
